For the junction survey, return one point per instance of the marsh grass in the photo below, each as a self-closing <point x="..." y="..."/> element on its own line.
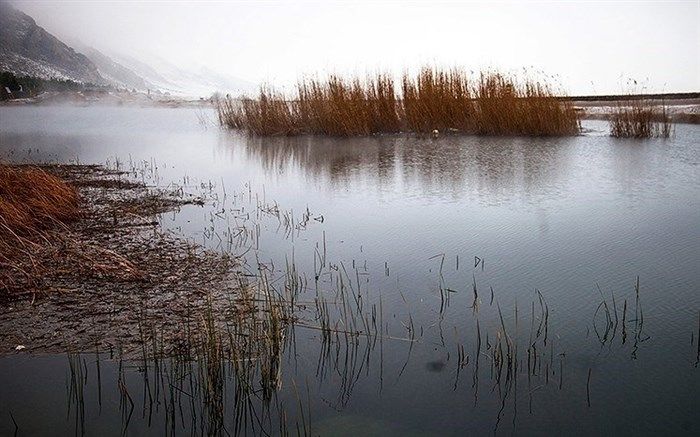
<point x="62" y="221"/>
<point x="437" y="99"/>
<point x="508" y="106"/>
<point x="33" y="203"/>
<point x="32" y="199"/>
<point x="640" y="118"/>
<point x="347" y="107"/>
<point x="434" y="99"/>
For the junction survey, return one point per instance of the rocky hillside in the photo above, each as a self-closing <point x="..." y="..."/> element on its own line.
<point x="26" y="49"/>
<point x="115" y="73"/>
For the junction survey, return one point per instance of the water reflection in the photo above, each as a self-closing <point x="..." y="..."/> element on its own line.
<point x="488" y="169"/>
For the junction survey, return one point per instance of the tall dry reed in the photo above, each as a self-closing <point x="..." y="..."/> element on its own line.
<point x="433" y="99"/>
<point x="437" y="99"/>
<point x="505" y="106"/>
<point x="640" y="118"/>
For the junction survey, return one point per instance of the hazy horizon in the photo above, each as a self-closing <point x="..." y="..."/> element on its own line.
<point x="588" y="48"/>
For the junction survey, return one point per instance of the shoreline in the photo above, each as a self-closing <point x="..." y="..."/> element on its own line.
<point x="682" y="107"/>
<point x="113" y="271"/>
<point x="107" y="98"/>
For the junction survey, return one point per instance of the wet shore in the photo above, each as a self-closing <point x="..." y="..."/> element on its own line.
<point x="106" y="275"/>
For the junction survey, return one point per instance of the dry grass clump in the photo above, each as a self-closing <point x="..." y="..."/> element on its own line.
<point x="640" y="118"/>
<point x="32" y="202"/>
<point x="438" y="99"/>
<point x="269" y="114"/>
<point x="335" y="106"/>
<point x="32" y="199"/>
<point x="433" y="99"/>
<point x="347" y="107"/>
<point x="80" y="227"/>
<point x="503" y="106"/>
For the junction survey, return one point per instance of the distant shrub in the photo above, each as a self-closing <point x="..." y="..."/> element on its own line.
<point x="26" y="86"/>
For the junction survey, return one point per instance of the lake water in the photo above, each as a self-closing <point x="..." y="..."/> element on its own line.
<point x="573" y="220"/>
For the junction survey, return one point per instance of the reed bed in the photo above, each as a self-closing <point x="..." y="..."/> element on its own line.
<point x="640" y="118"/>
<point x="434" y="99"/>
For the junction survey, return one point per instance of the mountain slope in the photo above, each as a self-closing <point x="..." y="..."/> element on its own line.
<point x="26" y="49"/>
<point x="116" y="73"/>
<point x="190" y="81"/>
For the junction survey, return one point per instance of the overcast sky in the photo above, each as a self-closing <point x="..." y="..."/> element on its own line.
<point x="591" y="46"/>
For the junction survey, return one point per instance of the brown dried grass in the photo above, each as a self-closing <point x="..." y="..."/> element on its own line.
<point x="32" y="200"/>
<point x="640" y="118"/>
<point x="434" y="99"/>
<point x="33" y="204"/>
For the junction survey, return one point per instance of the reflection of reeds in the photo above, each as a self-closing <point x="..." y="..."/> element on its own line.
<point x="697" y="341"/>
<point x="76" y="390"/>
<point x="433" y="100"/>
<point x="233" y="345"/>
<point x="606" y="330"/>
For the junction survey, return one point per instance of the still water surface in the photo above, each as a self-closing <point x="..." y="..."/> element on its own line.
<point x="558" y="215"/>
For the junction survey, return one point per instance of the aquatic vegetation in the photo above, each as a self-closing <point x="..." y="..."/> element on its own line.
<point x="496" y="104"/>
<point x="640" y="118"/>
<point x="230" y="370"/>
<point x="347" y="107"/>
<point x="637" y="115"/>
<point x="433" y="101"/>
<point x="438" y="99"/>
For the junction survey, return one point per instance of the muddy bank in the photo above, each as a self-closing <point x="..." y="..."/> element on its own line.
<point x="112" y="278"/>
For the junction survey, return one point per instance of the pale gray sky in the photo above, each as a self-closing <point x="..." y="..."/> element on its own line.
<point x="591" y="46"/>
